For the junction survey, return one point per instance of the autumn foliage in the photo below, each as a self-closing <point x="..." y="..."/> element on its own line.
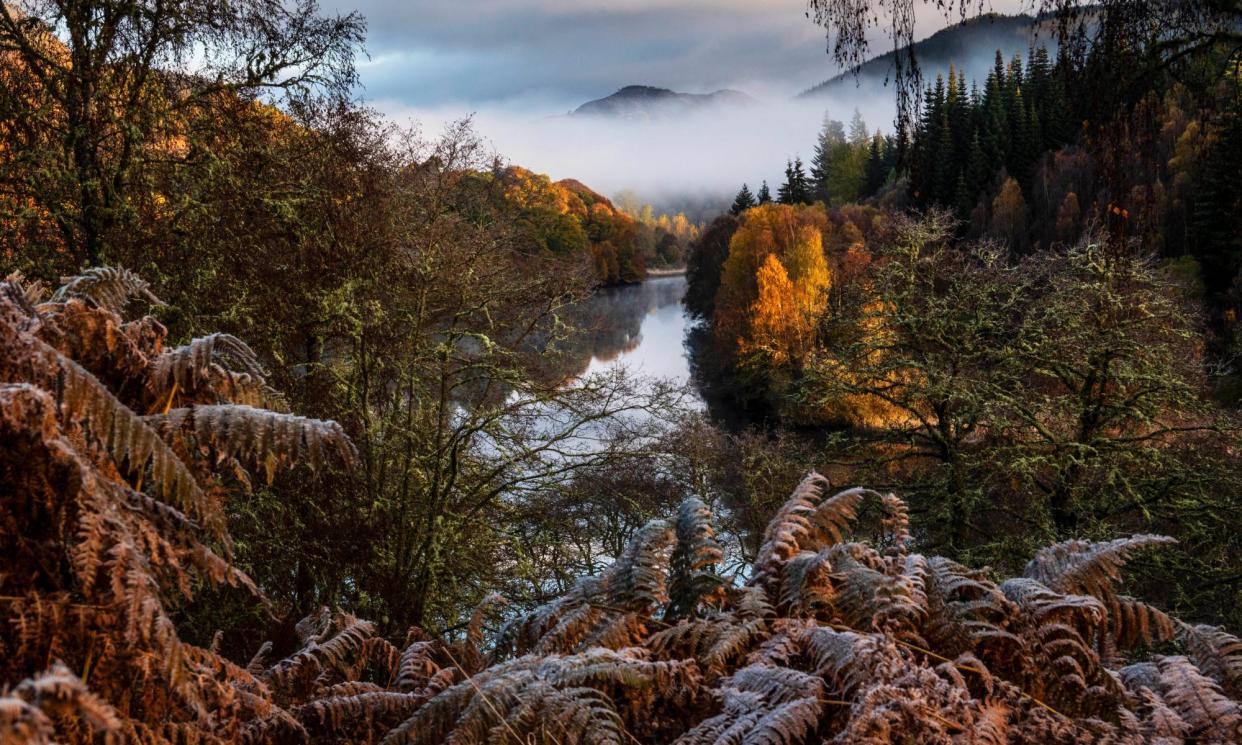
<point x="122" y="454"/>
<point x="774" y="282"/>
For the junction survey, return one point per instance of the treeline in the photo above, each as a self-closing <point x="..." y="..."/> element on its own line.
<point x="1037" y="157"/>
<point x="1045" y="149"/>
<point x="965" y="136"/>
<point x="567" y="218"/>
<point x="286" y="155"/>
<point x="845" y="168"/>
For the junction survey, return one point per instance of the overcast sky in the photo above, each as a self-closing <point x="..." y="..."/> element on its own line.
<point x="515" y="64"/>
<point x="560" y="53"/>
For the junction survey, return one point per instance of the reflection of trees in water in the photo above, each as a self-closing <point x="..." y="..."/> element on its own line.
<point x="730" y="401"/>
<point x="610" y="321"/>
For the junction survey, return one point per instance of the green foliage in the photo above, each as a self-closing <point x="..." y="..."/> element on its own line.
<point x="1064" y="388"/>
<point x="964" y="137"/>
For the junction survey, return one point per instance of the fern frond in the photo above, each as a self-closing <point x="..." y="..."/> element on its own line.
<point x="695" y="556"/>
<point x="1085" y="568"/>
<point x="965" y="611"/>
<point x="24" y="294"/>
<point x="1133" y="623"/>
<point x="788" y="530"/>
<point x="1199" y="701"/>
<point x="481" y="707"/>
<point x="776" y="684"/>
<point x="1059" y="631"/>
<point x="750" y="603"/>
<point x="1217" y="653"/>
<point x="741" y="711"/>
<point x="359" y="715"/>
<point x="315" y="657"/>
<point x="806" y="584"/>
<point x="848" y="658"/>
<point x="785" y="724"/>
<point x="638" y="579"/>
<point x="784" y="644"/>
<point x="220" y="364"/>
<point x="108" y="287"/>
<point x="1158" y="722"/>
<point x="416" y="666"/>
<point x="59" y="695"/>
<point x="874" y="600"/>
<point x="262" y="439"/>
<point x="84" y="400"/>
<point x="546" y="714"/>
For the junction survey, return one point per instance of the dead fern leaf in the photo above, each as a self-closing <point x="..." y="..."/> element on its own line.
<point x="108" y="287"/>
<point x="262" y="439"/>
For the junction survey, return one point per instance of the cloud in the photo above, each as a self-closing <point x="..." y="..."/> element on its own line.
<point x="471" y="52"/>
<point x="707" y="154"/>
<point x="432" y="52"/>
<point x="515" y="63"/>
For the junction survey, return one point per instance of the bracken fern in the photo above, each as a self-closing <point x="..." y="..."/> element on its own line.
<point x="839" y="633"/>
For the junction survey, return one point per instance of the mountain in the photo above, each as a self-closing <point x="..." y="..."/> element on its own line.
<point x="644" y="102"/>
<point x="970" y="46"/>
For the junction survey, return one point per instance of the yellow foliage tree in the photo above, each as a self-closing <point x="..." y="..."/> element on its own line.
<point x="793" y="234"/>
<point x="809" y="272"/>
<point x="778" y="328"/>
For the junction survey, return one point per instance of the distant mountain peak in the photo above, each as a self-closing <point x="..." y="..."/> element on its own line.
<point x="646" y="102"/>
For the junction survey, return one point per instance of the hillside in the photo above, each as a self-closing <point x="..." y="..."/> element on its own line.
<point x="970" y="45"/>
<point x="644" y="102"/>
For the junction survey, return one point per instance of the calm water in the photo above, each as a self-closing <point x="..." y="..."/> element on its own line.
<point x="642" y="327"/>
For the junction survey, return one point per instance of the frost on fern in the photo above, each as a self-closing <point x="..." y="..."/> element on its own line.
<point x="840" y="631"/>
<point x="108" y="527"/>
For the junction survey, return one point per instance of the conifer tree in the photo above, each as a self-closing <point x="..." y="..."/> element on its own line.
<point x="831" y="136"/>
<point x="785" y="192"/>
<point x="1218" y="206"/>
<point x="796" y="189"/>
<point x="765" y="194"/>
<point x="743" y="201"/>
<point x="801" y="186"/>
<point x="877" y="166"/>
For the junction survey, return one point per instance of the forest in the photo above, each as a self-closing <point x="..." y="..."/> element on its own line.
<point x="300" y="440"/>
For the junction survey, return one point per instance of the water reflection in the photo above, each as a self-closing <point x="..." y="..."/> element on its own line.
<point x="641" y="326"/>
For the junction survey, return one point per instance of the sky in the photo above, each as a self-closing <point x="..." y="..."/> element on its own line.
<point x="515" y="65"/>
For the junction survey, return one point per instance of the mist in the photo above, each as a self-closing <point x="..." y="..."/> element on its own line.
<point x="701" y="158"/>
<point x="706" y="155"/>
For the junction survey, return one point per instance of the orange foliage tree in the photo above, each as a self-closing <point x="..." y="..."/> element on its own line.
<point x="774" y="282"/>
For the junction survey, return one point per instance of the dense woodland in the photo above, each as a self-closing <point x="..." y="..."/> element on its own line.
<point x="295" y="444"/>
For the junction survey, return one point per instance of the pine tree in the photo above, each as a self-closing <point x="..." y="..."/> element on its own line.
<point x="925" y="165"/>
<point x="1218" y="206"/>
<point x="947" y="167"/>
<point x="963" y="199"/>
<point x="765" y="194"/>
<point x="978" y="168"/>
<point x="858" y="130"/>
<point x="831" y="135"/>
<point x="801" y="186"/>
<point x="1021" y="139"/>
<point x="797" y="188"/>
<point x="743" y="201"/>
<point x="877" y="166"/>
<point x="785" y="192"/>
